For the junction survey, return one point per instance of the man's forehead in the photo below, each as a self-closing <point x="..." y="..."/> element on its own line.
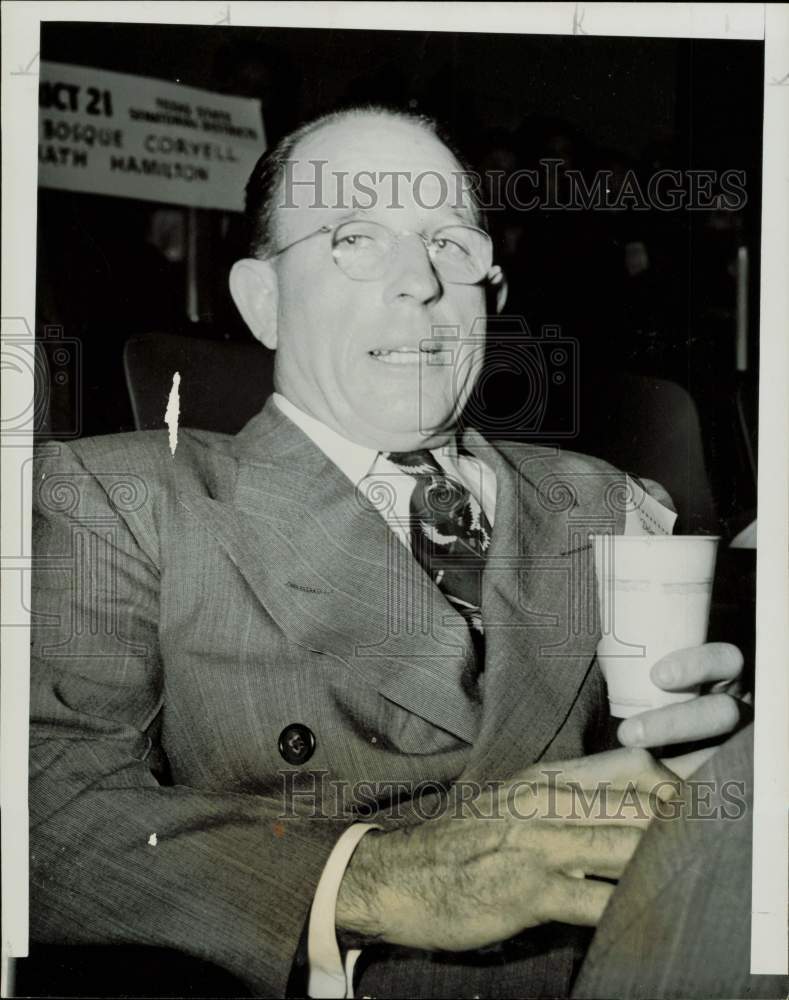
<point x="369" y="132"/>
<point x="374" y="162"/>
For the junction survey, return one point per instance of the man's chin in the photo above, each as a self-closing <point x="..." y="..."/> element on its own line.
<point x="404" y="438"/>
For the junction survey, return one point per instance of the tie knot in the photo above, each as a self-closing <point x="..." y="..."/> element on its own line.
<point x="437" y="496"/>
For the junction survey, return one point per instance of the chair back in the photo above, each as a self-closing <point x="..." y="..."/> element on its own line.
<point x="643" y="425"/>
<point x="223" y="383"/>
<point x="651" y="427"/>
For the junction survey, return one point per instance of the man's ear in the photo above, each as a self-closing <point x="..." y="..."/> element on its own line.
<point x="253" y="285"/>
<point x="502" y="291"/>
<point x="501" y="296"/>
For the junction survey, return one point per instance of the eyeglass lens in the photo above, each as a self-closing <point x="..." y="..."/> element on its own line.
<point x="364" y="250"/>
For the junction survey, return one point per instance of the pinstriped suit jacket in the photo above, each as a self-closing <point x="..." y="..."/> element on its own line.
<point x="186" y="609"/>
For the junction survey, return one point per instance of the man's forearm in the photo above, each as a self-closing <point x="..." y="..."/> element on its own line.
<point x="358" y="916"/>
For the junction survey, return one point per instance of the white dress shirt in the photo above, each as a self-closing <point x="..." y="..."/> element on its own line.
<point x="329" y="975"/>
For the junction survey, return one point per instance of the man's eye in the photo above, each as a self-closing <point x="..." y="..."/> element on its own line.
<point x="450" y="247"/>
<point x="354" y="239"/>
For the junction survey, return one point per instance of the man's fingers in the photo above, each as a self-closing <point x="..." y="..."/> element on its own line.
<point x="624" y="768"/>
<point x="576" y="901"/>
<point x="616" y="806"/>
<point x="685" y="669"/>
<point x="698" y="719"/>
<point x="607" y="805"/>
<point x="603" y="804"/>
<point x="593" y="850"/>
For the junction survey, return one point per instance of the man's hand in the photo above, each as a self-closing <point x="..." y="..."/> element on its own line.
<point x="514" y="858"/>
<point x="714" y="714"/>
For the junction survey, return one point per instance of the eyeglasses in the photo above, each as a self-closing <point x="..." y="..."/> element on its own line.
<point x="364" y="251"/>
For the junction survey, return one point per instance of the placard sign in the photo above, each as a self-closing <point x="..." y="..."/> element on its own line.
<point x="137" y="137"/>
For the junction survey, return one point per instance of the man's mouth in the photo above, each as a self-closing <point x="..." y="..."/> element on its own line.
<point x="402" y="355"/>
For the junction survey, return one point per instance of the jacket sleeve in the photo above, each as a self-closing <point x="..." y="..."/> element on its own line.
<point x="118" y="855"/>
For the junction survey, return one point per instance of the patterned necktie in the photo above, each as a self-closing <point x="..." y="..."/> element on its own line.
<point x="450" y="535"/>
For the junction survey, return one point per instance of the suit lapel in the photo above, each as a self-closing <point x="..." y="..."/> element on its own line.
<point x="331" y="573"/>
<point x="541" y="625"/>
<point x="337" y="581"/>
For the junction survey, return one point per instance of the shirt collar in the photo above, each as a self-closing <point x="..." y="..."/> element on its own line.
<point x="355" y="460"/>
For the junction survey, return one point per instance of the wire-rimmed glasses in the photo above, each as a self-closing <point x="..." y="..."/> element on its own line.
<point x="364" y="250"/>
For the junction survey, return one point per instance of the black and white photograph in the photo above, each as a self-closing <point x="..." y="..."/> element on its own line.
<point x="391" y="407"/>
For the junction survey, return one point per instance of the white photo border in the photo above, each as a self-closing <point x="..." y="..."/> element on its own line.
<point x="20" y="47"/>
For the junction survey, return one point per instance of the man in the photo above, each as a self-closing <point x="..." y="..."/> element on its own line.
<point x="281" y="713"/>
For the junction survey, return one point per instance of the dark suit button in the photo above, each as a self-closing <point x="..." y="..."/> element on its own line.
<point x="296" y="743"/>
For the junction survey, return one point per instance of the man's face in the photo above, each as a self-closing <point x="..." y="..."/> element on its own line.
<point x="348" y="351"/>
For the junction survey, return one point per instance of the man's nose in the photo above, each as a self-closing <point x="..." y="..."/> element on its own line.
<point x="412" y="274"/>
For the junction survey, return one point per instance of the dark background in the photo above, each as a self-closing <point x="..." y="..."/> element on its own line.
<point x="110" y="268"/>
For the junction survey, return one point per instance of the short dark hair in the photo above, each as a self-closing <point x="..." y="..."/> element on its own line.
<point x="265" y="181"/>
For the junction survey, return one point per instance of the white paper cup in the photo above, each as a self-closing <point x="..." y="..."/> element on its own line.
<point x="654" y="596"/>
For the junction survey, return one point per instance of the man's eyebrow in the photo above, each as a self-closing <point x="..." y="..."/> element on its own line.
<point x="353" y="213"/>
<point x="465" y="214"/>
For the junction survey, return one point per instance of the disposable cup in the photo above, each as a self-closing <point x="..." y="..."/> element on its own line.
<point x="654" y="595"/>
